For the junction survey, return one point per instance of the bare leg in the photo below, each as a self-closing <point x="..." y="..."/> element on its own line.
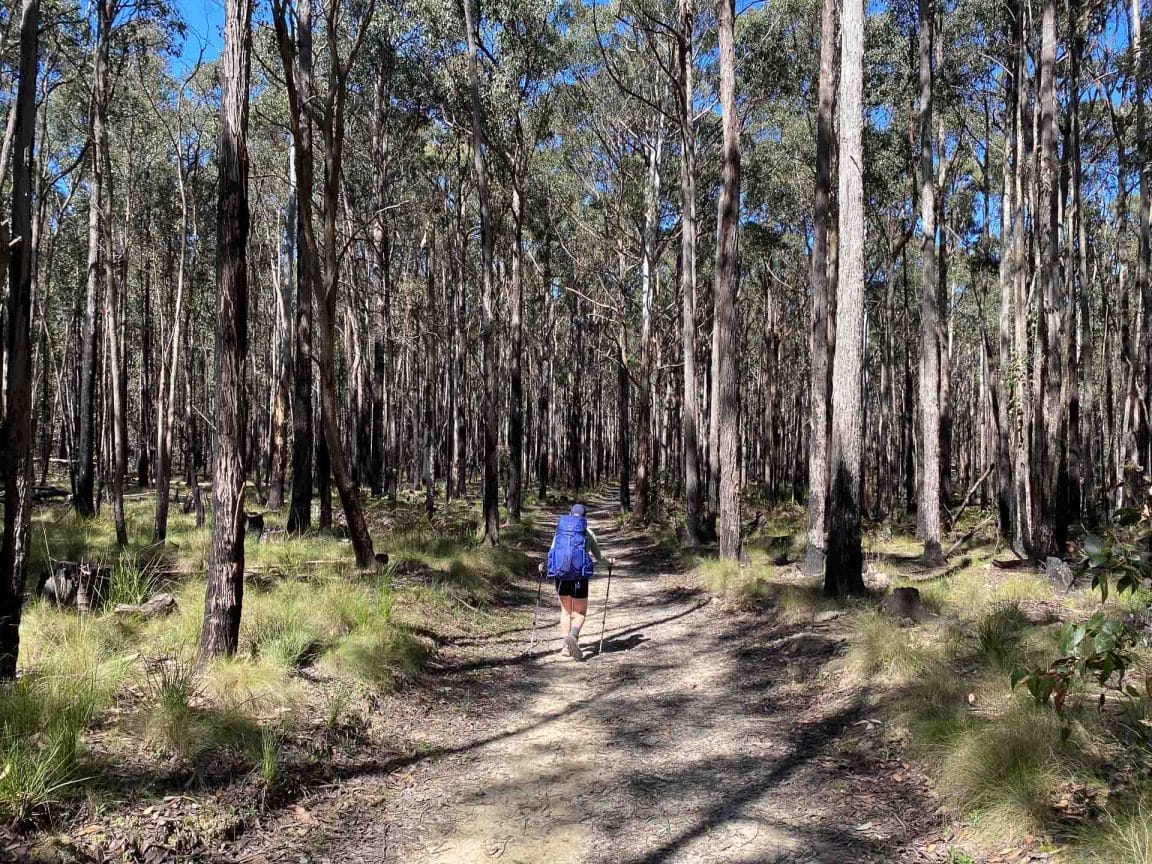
<point x="566" y="615"/>
<point x="578" y="613"/>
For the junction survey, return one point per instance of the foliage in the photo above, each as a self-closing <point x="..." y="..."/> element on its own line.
<point x="1100" y="648"/>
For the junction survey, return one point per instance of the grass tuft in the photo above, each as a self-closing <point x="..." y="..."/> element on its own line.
<point x="382" y="657"/>
<point x="42" y="720"/>
<point x="884" y="649"/>
<point x="1006" y="774"/>
<point x="998" y="634"/>
<point x="1125" y="832"/>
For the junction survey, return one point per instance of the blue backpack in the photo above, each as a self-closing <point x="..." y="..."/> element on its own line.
<point x="568" y="558"/>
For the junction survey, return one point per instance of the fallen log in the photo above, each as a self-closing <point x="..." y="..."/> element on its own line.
<point x="157" y="607"/>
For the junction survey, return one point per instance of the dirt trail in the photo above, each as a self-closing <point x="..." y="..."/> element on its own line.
<point x="697" y="737"/>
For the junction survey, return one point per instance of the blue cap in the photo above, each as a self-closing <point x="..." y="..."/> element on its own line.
<point x="577" y="509"/>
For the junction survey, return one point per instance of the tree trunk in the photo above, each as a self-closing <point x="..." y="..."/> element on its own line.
<point x="1005" y="498"/>
<point x="225" y="594"/>
<point x="688" y="227"/>
<point x="515" y="373"/>
<point x="85" y="468"/>
<point x="821" y="366"/>
<point x="118" y="385"/>
<point x="727" y="279"/>
<point x="1049" y="536"/>
<point x="17" y="442"/>
<point x="1144" y="246"/>
<point x="843" y="572"/>
<point x="332" y="128"/>
<point x="300" y="505"/>
<point x="491" y="492"/>
<point x="928" y="514"/>
<point x="278" y="443"/>
<point x="653" y="151"/>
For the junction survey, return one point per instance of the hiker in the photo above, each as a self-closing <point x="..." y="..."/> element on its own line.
<point x="570" y="564"/>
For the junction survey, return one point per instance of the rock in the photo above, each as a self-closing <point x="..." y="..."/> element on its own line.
<point x="157" y="607"/>
<point x="875" y="579"/>
<point x="905" y="603"/>
<point x="1059" y="573"/>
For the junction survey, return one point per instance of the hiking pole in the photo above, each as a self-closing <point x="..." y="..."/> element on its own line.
<point x="536" y="608"/>
<point x="604" y="617"/>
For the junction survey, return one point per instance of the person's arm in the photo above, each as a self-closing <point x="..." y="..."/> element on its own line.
<point x="594" y="546"/>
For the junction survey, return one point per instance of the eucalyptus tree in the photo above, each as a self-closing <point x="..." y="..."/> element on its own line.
<point x="223" y="600"/>
<point x="325" y="276"/>
<point x="844" y="568"/>
<point x="726" y="374"/>
<point x="16" y="456"/>
<point x="928" y="510"/>
<point x="821" y="299"/>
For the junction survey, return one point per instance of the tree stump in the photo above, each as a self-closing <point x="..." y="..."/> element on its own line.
<point x="92" y="587"/>
<point x="905" y="603"/>
<point x="76" y="583"/>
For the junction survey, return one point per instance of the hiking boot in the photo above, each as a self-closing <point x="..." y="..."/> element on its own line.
<point x="573" y="647"/>
<point x="564" y="652"/>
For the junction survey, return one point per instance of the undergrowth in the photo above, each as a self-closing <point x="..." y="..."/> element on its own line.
<point x="316" y="636"/>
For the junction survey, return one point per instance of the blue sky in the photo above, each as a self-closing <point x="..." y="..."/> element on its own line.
<point x="203" y="19"/>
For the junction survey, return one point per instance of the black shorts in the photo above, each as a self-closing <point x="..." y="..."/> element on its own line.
<point x="575" y="588"/>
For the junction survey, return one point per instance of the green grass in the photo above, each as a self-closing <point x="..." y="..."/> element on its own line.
<point x="381" y="657"/>
<point x="1124" y="833"/>
<point x="42" y="720"/>
<point x="1005" y="774"/>
<point x="760" y="584"/>
<point x="315" y="633"/>
<point x="999" y="633"/>
<point x="881" y="649"/>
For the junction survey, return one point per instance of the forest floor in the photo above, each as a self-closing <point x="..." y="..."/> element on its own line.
<point x="735" y="714"/>
<point x="698" y="736"/>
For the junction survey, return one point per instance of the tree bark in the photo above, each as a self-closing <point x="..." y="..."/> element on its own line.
<point x="821" y="366"/>
<point x="223" y="600"/>
<point x="1144" y="245"/>
<point x="928" y="517"/>
<point x="688" y="228"/>
<point x="278" y="443"/>
<point x="491" y="492"/>
<point x="1050" y="532"/>
<point x="85" y="501"/>
<point x="653" y="151"/>
<point x="300" y="506"/>
<point x="17" y="441"/>
<point x="515" y="372"/>
<point x="843" y="572"/>
<point x="727" y="280"/>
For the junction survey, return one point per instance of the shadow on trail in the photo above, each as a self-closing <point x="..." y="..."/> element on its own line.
<point x="709" y="735"/>
<point x="526" y="657"/>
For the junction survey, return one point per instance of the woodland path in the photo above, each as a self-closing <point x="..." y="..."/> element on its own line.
<point x="698" y="736"/>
